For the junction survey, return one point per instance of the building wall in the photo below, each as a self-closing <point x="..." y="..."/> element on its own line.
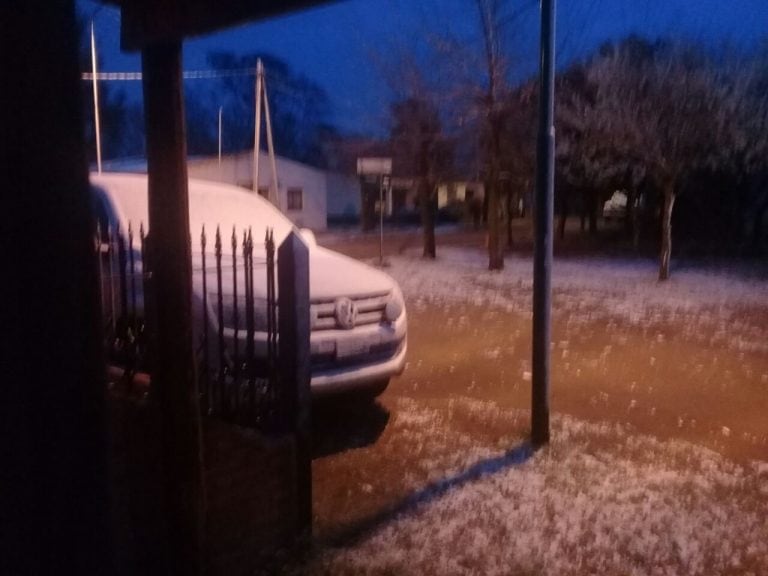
<point x="238" y="169"/>
<point x="457" y="192"/>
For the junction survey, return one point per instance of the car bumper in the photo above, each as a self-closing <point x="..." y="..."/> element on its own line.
<point x="342" y="361"/>
<point x="359" y="359"/>
<point x="359" y="379"/>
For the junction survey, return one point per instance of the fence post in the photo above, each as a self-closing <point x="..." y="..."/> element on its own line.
<point x="293" y="362"/>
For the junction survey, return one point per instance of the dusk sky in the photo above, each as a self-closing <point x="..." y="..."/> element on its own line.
<point x="338" y="45"/>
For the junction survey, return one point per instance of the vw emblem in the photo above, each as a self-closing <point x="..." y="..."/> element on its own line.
<point x="346" y="313"/>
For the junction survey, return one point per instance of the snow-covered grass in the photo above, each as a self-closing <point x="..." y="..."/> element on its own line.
<point x="588" y="289"/>
<point x="603" y="498"/>
<point x="599" y="500"/>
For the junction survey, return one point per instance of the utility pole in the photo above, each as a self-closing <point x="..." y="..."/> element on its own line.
<point x="543" y="217"/>
<point x="270" y="142"/>
<point x="96" y="115"/>
<point x="221" y="108"/>
<point x="257" y="127"/>
<point x="261" y="94"/>
<point x="385" y="198"/>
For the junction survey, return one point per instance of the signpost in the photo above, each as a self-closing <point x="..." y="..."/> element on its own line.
<point x="380" y="169"/>
<point x="384" y="184"/>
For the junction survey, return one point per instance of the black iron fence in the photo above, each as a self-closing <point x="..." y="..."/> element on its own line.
<point x="235" y="321"/>
<point x="238" y="376"/>
<point x="122" y="305"/>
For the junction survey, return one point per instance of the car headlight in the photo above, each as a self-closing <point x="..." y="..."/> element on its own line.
<point x="395" y="306"/>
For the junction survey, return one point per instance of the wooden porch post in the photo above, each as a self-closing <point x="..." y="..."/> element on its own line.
<point x="174" y="379"/>
<point x="54" y="504"/>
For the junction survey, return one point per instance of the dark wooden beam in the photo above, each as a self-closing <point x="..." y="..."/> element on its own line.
<point x="54" y="501"/>
<point x="170" y="263"/>
<point x="294" y="364"/>
<point x="148" y="21"/>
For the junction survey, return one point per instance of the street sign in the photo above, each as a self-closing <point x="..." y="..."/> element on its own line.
<point x="374" y="166"/>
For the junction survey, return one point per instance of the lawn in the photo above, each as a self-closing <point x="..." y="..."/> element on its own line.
<point x="660" y="441"/>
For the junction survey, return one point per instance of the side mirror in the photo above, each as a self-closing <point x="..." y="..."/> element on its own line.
<point x="308" y="236"/>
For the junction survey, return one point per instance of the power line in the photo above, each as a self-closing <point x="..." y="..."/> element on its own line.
<point x="189" y="74"/>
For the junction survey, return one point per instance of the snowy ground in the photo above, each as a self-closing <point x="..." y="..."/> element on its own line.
<point x="597" y="501"/>
<point x="593" y="288"/>
<point x="626" y="487"/>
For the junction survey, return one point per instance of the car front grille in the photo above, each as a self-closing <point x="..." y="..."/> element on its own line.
<point x="370" y="310"/>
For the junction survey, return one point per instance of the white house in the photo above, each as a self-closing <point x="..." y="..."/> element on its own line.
<point x="306" y="194"/>
<point x="302" y="190"/>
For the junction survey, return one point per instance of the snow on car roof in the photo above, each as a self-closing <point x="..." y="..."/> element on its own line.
<point x="211" y="204"/>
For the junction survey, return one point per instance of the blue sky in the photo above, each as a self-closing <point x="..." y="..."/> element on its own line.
<point x="338" y="45"/>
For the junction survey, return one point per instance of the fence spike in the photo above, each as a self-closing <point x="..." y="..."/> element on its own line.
<point x="235" y="322"/>
<point x="222" y="373"/>
<point x="205" y="382"/>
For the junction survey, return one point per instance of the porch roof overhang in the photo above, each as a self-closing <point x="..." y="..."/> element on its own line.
<point x="149" y="21"/>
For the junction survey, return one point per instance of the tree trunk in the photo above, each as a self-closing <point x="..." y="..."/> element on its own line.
<point x="593" y="209"/>
<point x="426" y="205"/>
<point x="367" y="206"/>
<point x="666" y="232"/>
<point x="629" y="214"/>
<point x="510" y="201"/>
<point x="495" y="253"/>
<point x="758" y="225"/>
<point x="563" y="215"/>
<point x="635" y="221"/>
<point x="493" y="189"/>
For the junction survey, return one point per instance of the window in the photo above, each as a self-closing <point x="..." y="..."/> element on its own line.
<point x="295" y="199"/>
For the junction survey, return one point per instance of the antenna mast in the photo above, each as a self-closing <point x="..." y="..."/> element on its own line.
<point x="96" y="119"/>
<point x="261" y="94"/>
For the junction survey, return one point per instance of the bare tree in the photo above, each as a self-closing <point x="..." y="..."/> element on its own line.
<point x="655" y="105"/>
<point x="589" y="164"/>
<point x="490" y="105"/>
<point x="518" y="151"/>
<point x="423" y="151"/>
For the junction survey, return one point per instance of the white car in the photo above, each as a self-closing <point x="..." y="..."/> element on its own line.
<point x="357" y="313"/>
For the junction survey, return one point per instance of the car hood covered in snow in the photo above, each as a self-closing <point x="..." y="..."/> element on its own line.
<point x="332" y="275"/>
